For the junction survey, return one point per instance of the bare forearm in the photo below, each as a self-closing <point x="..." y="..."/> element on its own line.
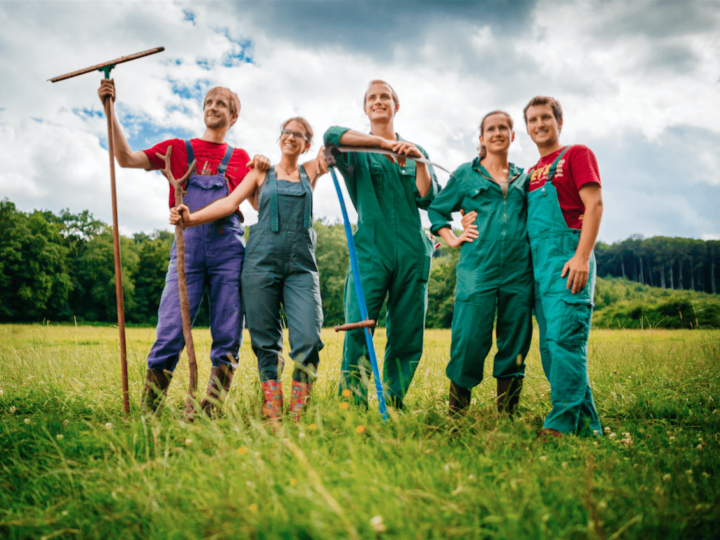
<point x="423" y="181"/>
<point x="590" y="229"/>
<point x="126" y="158"/>
<point x="448" y="235"/>
<point x="227" y="205"/>
<point x="355" y="138"/>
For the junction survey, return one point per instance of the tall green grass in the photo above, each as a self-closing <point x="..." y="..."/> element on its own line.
<point x="72" y="466"/>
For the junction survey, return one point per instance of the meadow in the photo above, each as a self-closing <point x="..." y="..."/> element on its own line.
<point x="73" y="466"/>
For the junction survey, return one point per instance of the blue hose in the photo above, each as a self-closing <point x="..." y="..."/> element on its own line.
<point x="361" y="299"/>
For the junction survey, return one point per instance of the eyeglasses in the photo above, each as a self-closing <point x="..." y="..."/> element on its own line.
<point x="296" y="134"/>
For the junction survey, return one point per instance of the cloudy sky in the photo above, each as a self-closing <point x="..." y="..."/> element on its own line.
<point x="639" y="82"/>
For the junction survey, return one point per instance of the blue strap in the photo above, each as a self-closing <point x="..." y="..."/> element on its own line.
<point x="308" y="196"/>
<point x="190" y="153"/>
<point x="226" y="160"/>
<point x="271" y="184"/>
<point x="551" y="172"/>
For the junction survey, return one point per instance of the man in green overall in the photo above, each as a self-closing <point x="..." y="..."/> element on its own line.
<point x="564" y="212"/>
<point x="393" y="251"/>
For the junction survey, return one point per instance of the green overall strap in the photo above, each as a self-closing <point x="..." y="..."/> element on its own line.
<point x="274" y="211"/>
<point x="551" y="172"/>
<point x="308" y="197"/>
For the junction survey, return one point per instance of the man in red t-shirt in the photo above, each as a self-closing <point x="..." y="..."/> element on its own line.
<point x="213" y="253"/>
<point x="564" y="212"/>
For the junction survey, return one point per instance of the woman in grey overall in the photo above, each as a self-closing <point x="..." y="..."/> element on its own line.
<point x="280" y="266"/>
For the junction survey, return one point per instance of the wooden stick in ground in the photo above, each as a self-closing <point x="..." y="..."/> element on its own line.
<point x="116" y="249"/>
<point x="182" y="280"/>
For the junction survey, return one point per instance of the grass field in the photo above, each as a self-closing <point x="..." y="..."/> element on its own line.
<point x="73" y="467"/>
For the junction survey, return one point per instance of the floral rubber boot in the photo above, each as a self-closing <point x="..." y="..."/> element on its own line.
<point x="298" y="399"/>
<point x="272" y="409"/>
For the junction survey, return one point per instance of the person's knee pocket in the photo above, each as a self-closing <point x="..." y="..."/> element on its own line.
<point x="575" y="326"/>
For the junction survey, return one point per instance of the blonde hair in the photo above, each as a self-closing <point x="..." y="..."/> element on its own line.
<point x="232" y="98"/>
<point x="483" y="150"/>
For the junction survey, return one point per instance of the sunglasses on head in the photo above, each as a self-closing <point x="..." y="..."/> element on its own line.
<point x="296" y="134"/>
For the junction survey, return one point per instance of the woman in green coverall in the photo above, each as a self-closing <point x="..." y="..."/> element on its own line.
<point x="280" y="266"/>
<point x="393" y="251"/>
<point x="495" y="271"/>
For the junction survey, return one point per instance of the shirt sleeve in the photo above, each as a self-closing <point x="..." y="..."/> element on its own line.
<point x="424" y="202"/>
<point x="177" y="157"/>
<point x="346" y="161"/>
<point x="584" y="167"/>
<point x="449" y="200"/>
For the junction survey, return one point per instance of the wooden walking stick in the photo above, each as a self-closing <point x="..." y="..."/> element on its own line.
<point x="182" y="279"/>
<point x="106" y="68"/>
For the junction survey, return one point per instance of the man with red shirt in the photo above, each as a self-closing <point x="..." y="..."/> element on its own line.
<point x="564" y="212"/>
<point x="213" y="253"/>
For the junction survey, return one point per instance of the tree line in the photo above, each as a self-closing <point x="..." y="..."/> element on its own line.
<point x="664" y="262"/>
<point x="59" y="268"/>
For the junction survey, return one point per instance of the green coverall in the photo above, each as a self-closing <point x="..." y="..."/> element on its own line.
<point x="494" y="273"/>
<point x="563" y="318"/>
<point x="394" y="256"/>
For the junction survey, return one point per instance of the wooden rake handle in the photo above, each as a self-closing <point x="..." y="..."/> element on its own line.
<point x="355" y="325"/>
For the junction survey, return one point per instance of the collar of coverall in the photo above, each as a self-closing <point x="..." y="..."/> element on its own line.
<point x="513" y="171"/>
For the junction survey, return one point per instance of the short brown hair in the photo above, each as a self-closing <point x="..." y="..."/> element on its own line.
<point x="232" y="98"/>
<point x="394" y="95"/>
<point x="545" y="100"/>
<point x="304" y="123"/>
<point x="483" y="150"/>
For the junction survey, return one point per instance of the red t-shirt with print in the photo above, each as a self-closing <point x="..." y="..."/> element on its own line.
<point x="577" y="168"/>
<point x="209" y="155"/>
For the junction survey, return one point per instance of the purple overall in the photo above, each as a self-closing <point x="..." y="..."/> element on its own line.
<point x="213" y="258"/>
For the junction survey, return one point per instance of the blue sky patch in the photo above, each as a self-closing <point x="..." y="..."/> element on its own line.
<point x="241" y="52"/>
<point x="141" y="133"/>
<point x="87" y="114"/>
<point x="195" y="91"/>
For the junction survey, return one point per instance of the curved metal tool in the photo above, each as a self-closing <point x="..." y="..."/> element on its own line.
<point x="372" y="150"/>
<point x="366" y="322"/>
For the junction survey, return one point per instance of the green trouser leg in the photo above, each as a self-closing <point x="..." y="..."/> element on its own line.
<point x="356" y="370"/>
<point x="303" y="310"/>
<point x="472" y="327"/>
<point x="472" y="335"/>
<point x="407" y="304"/>
<point x="564" y="331"/>
<point x="261" y="297"/>
<point x="514" y="329"/>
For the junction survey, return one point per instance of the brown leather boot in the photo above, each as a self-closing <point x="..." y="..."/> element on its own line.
<point x="459" y="399"/>
<point x="157" y="382"/>
<point x="508" y="394"/>
<point x="217" y="389"/>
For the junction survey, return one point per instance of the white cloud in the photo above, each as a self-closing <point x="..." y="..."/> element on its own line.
<point x="610" y="79"/>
